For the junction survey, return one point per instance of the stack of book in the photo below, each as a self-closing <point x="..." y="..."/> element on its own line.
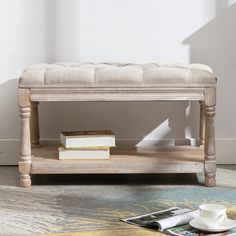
<point x="86" y="144"/>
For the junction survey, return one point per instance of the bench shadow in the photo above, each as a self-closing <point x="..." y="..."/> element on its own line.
<point x="116" y="179"/>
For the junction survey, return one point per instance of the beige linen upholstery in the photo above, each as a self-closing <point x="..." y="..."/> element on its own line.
<point x="117" y="75"/>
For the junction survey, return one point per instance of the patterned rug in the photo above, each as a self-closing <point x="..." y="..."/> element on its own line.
<point x="95" y="210"/>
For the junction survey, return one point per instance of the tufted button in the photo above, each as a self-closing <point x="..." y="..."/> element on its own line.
<point x="117" y="75"/>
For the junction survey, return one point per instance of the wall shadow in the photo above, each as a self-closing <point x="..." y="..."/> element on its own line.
<point x="9" y="115"/>
<point x="139" y="121"/>
<point x="9" y="120"/>
<point x="214" y="44"/>
<point x="131" y="121"/>
<point x="128" y="120"/>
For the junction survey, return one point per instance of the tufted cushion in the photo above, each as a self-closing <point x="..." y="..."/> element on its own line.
<point x="117" y="75"/>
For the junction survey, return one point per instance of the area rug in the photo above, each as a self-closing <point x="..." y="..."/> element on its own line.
<point x="95" y="210"/>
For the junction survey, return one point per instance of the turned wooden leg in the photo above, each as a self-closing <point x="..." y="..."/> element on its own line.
<point x="202" y="124"/>
<point x="34" y="125"/>
<point x="25" y="147"/>
<point x="209" y="149"/>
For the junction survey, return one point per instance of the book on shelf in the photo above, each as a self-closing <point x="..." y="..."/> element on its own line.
<point x="82" y="139"/>
<point x="172" y="221"/>
<point x="84" y="153"/>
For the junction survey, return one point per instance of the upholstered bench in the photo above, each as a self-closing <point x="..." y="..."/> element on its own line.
<point x="117" y="82"/>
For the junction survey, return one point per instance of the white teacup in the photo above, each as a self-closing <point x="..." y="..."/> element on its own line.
<point x="212" y="214"/>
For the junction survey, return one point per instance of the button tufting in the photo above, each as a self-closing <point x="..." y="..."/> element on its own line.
<point x="117" y="75"/>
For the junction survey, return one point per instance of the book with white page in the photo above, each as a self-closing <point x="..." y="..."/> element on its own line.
<point x="84" y="154"/>
<point x="86" y="139"/>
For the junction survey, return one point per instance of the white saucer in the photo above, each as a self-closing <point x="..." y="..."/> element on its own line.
<point x="223" y="226"/>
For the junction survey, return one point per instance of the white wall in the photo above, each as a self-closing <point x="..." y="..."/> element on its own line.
<point x="120" y="30"/>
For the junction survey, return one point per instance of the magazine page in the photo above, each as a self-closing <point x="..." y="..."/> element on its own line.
<point x="160" y="219"/>
<point x="178" y="219"/>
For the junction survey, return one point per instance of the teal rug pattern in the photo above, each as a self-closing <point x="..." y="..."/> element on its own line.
<point x="45" y="210"/>
<point x="108" y="210"/>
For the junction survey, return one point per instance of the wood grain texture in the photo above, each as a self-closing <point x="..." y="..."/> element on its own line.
<point x="210" y="153"/>
<point x="24" y="97"/>
<point x="25" y="147"/>
<point x="175" y="160"/>
<point x="123" y="160"/>
<point x="117" y="94"/>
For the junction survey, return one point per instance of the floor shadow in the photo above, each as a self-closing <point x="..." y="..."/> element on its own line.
<point x="9" y="176"/>
<point x="228" y="167"/>
<point x="114" y="179"/>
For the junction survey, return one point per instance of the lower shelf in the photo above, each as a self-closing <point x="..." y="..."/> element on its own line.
<point x="181" y="159"/>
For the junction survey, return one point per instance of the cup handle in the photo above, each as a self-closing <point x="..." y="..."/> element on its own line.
<point x="222" y="217"/>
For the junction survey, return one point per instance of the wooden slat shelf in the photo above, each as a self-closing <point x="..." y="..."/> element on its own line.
<point x="181" y="159"/>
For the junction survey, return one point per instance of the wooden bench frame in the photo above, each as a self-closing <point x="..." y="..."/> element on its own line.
<point x="29" y="99"/>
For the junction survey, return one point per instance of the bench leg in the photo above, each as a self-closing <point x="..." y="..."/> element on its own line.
<point x="202" y="124"/>
<point x="34" y="125"/>
<point x="25" y="147"/>
<point x="209" y="149"/>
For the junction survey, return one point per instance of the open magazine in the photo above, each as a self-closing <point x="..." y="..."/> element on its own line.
<point x="172" y="221"/>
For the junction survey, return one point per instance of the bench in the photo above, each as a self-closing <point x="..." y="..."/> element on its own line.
<point x="117" y="82"/>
